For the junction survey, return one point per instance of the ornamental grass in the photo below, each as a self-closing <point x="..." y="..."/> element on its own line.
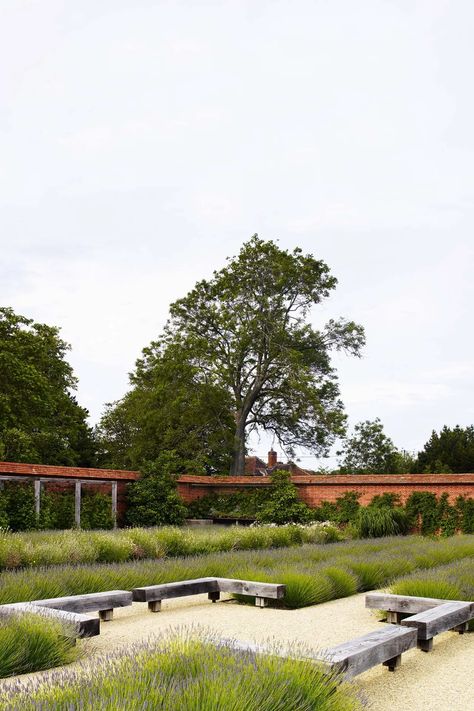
<point x="189" y="674"/>
<point x="29" y="643"/>
<point x="43" y="548"/>
<point x="312" y="573"/>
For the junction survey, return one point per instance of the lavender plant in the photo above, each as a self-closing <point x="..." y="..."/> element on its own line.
<point x="189" y="674"/>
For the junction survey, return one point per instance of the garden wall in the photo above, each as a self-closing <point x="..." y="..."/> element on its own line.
<point x="316" y="489"/>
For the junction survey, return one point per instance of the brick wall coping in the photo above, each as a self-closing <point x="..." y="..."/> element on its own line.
<point x="47" y="470"/>
<point x="332" y="479"/>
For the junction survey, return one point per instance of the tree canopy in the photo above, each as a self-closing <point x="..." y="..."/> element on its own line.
<point x="452" y="450"/>
<point x="40" y="420"/>
<point x="371" y="451"/>
<point x="238" y="354"/>
<point x="170" y="409"/>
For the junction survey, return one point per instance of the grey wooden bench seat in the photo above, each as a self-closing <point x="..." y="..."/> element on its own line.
<point x="448" y="616"/>
<point x="384" y="646"/>
<point x="104" y="602"/>
<point x="77" y="625"/>
<point x="154" y="594"/>
<point x="400" y="606"/>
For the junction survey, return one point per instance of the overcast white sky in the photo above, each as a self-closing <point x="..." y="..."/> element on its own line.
<point x="142" y="141"/>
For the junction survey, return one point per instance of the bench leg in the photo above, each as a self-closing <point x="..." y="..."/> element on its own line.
<point x="106" y="615"/>
<point x="426" y="645"/>
<point x="462" y="628"/>
<point x="261" y="602"/>
<point x="154" y="605"/>
<point x="392" y="618"/>
<point x="214" y="596"/>
<point x="393" y="663"/>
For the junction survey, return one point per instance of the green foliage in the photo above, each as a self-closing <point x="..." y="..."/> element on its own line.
<point x="373" y="562"/>
<point x="38" y="548"/>
<point x="465" y="506"/>
<point x="190" y="674"/>
<point x="422" y="511"/>
<point x="452" y="450"/>
<point x="241" y="504"/>
<point x="153" y="500"/>
<point x="170" y="408"/>
<point x="385" y="500"/>
<point x="237" y="355"/>
<point x="40" y="421"/>
<point x="96" y="511"/>
<point x="370" y="451"/>
<point x="17" y="509"/>
<point x="283" y="504"/>
<point x="19" y="505"/>
<point x="375" y="522"/>
<point x="29" y="643"/>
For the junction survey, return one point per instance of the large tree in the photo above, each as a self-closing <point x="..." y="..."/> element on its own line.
<point x="245" y="334"/>
<point x="40" y="419"/>
<point x="370" y="451"/>
<point x="452" y="450"/>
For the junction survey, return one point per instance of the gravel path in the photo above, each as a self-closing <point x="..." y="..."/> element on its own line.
<point x="438" y="681"/>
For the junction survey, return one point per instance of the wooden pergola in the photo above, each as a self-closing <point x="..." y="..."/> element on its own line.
<point x="40" y="474"/>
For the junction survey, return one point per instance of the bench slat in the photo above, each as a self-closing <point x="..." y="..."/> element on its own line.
<point x="362" y="653"/>
<point x="81" y="625"/>
<point x="89" y="602"/>
<point x="182" y="588"/>
<point x="440" y="619"/>
<point x="400" y="603"/>
<point x="250" y="587"/>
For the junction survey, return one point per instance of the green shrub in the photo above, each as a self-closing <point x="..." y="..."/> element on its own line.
<point x="189" y="675"/>
<point x="96" y="511"/>
<point x="153" y="500"/>
<point x="283" y="504"/>
<point x="29" y="643"/>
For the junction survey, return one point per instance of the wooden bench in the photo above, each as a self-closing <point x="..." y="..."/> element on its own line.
<point x="104" y="602"/>
<point x="399" y="607"/>
<point x="154" y="594"/>
<point x="77" y="625"/>
<point x="448" y="616"/>
<point x="383" y="646"/>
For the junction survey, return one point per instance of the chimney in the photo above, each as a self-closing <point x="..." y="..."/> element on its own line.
<point x="272" y="458"/>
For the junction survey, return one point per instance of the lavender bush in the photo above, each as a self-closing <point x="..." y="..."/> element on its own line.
<point x="188" y="674"/>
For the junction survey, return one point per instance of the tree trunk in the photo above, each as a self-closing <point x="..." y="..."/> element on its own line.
<point x="237" y="467"/>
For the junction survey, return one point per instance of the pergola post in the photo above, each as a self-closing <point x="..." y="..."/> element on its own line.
<point x="114" y="503"/>
<point x="77" y="504"/>
<point x="37" y="483"/>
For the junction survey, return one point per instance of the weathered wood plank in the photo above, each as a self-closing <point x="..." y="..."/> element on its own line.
<point x="400" y="603"/>
<point x="440" y="619"/>
<point x="362" y="653"/>
<point x="251" y="587"/>
<point x="80" y="625"/>
<point x="172" y="590"/>
<point x="87" y="603"/>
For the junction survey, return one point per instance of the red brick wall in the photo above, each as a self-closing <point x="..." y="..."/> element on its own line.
<point x="316" y="489"/>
